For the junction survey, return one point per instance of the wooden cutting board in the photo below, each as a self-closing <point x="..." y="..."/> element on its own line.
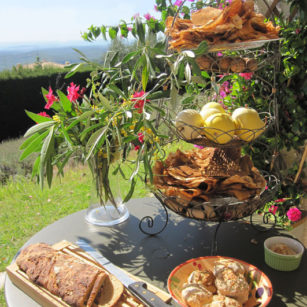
<point x="45" y="298"/>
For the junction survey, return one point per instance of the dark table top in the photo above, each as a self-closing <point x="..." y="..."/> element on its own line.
<point x="152" y="258"/>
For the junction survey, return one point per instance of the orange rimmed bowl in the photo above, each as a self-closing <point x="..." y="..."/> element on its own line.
<point x="261" y="286"/>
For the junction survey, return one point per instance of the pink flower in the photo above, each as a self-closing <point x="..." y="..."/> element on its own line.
<point x="156" y="8"/>
<point x="280" y="200"/>
<point x="50" y="99"/>
<point x="273" y="209"/>
<point x="43" y="114"/>
<point x="178" y="2"/>
<point x="139" y="103"/>
<point x="136" y="147"/>
<point x="219" y="54"/>
<point x="148" y="16"/>
<point x="72" y="91"/>
<point x="129" y="29"/>
<point x="222" y="93"/>
<point x="246" y="75"/>
<point x="297" y="31"/>
<point x="141" y="137"/>
<point x="294" y="214"/>
<point x="198" y="146"/>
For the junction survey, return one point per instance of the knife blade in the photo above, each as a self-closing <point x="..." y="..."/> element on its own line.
<point x="138" y="288"/>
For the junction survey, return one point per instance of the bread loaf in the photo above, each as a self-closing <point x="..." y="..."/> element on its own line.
<point x="75" y="282"/>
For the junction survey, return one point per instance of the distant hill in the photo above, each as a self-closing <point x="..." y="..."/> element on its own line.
<point x="11" y="55"/>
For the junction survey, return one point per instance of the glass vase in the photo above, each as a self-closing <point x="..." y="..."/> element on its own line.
<point x="106" y="204"/>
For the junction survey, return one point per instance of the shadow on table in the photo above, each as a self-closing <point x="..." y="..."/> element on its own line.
<point x="152" y="258"/>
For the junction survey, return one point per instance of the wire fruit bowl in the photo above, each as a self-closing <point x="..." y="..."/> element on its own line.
<point x="209" y="137"/>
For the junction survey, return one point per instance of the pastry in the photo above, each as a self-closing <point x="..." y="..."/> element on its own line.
<point x="204" y="278"/>
<point x="223" y="301"/>
<point x="195" y="295"/>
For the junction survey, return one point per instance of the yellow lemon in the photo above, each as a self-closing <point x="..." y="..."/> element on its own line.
<point x="213" y="105"/>
<point x="187" y="123"/>
<point x="248" y="123"/>
<point x="220" y="128"/>
<point x="205" y="113"/>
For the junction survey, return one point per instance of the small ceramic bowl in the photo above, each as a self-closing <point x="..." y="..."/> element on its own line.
<point x="283" y="262"/>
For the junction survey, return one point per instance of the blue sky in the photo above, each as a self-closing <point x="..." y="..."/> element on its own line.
<point x="27" y="21"/>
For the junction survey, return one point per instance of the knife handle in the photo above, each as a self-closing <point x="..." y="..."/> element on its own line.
<point x="149" y="298"/>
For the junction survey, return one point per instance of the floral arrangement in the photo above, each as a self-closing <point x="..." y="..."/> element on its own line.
<point x="284" y="211"/>
<point x="97" y="129"/>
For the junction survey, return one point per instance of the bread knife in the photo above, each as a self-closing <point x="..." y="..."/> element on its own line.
<point x="138" y="288"/>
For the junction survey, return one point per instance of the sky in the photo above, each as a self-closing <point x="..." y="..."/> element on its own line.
<point x="28" y="21"/>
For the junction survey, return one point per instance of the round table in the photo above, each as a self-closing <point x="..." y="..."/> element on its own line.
<point x="152" y="258"/>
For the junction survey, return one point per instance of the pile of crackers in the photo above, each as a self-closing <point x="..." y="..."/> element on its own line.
<point x="236" y="23"/>
<point x="200" y="175"/>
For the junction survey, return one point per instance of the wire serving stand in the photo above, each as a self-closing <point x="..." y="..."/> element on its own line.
<point x="218" y="210"/>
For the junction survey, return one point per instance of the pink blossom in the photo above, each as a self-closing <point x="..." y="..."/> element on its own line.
<point x="136" y="147"/>
<point x="43" y="114"/>
<point x="266" y="187"/>
<point x="72" y="91"/>
<point x="141" y="137"/>
<point x="178" y="2"/>
<point x="280" y="200"/>
<point x="294" y="214"/>
<point x="273" y="209"/>
<point x="156" y="8"/>
<point x="246" y="75"/>
<point x="198" y="146"/>
<point x="139" y="103"/>
<point x="148" y="16"/>
<point x="50" y="99"/>
<point x="297" y="31"/>
<point x="223" y="93"/>
<point x="129" y="29"/>
<point x="219" y="54"/>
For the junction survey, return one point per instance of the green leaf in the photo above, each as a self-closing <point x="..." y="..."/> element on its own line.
<point x="35" y="167"/>
<point x="187" y="72"/>
<point x="90" y="128"/>
<point x="145" y="76"/>
<point x="74" y="69"/>
<point x="49" y="172"/>
<point x="140" y="30"/>
<point x="39" y="127"/>
<point x="113" y="32"/>
<point x="38" y="118"/>
<point x="103" y="30"/>
<point x="201" y="49"/>
<point x="124" y="30"/>
<point x="46" y="150"/>
<point x="118" y="91"/>
<point x="66" y="103"/>
<point x="34" y="146"/>
<point x="67" y="156"/>
<point x="94" y="140"/>
<point x="114" y="59"/>
<point x="28" y="141"/>
<point x="130" y="56"/>
<point x="131" y="191"/>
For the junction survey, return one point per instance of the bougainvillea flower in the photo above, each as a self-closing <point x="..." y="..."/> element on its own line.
<point x="141" y="137"/>
<point x="50" y="99"/>
<point x="294" y="214"/>
<point x="129" y="29"/>
<point x="148" y="16"/>
<point x="280" y="200"/>
<point x="136" y="147"/>
<point x="139" y="103"/>
<point x="273" y="209"/>
<point x="246" y="75"/>
<point x="72" y="91"/>
<point x="178" y="2"/>
<point x="219" y="54"/>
